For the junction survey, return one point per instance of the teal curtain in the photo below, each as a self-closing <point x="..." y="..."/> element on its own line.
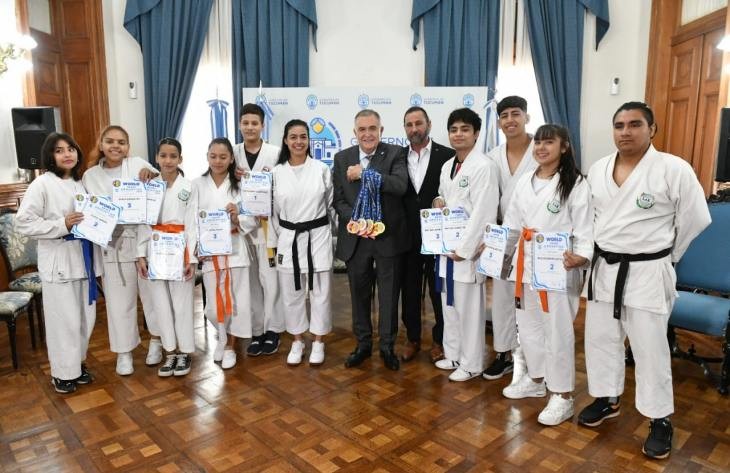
<point x="271" y="45"/>
<point x="461" y="41"/>
<point x="171" y="34"/>
<point x="555" y="29"/>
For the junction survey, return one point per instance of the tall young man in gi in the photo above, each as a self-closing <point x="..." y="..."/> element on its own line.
<point x="648" y="208"/>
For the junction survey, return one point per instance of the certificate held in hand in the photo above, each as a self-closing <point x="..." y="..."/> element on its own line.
<point x="499" y="247"/>
<point x="256" y="194"/>
<point x="548" y="271"/>
<point x="453" y="224"/>
<point x="166" y="256"/>
<point x="155" y="190"/>
<point x="214" y="233"/>
<point x="431" y="232"/>
<point x="130" y="195"/>
<point x="100" y="218"/>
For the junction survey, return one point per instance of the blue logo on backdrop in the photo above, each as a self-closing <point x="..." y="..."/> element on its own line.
<point x="312" y="102"/>
<point x="416" y="100"/>
<point x="468" y="100"/>
<point x="324" y="140"/>
<point x="363" y="100"/>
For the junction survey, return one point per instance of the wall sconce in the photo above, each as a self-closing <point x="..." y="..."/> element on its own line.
<point x="14" y="49"/>
<point x="724" y="43"/>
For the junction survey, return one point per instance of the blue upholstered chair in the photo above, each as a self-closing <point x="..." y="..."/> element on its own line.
<point x="703" y="282"/>
<point x="12" y="305"/>
<point x="21" y="260"/>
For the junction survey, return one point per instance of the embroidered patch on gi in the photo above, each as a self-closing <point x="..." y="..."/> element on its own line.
<point x="281" y="258"/>
<point x="464" y="181"/>
<point x="645" y="201"/>
<point x="553" y="206"/>
<point x="183" y="195"/>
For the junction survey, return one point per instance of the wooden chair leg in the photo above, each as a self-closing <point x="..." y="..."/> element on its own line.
<point x="725" y="373"/>
<point x="40" y="317"/>
<point x="31" y="323"/>
<point x="13" y="347"/>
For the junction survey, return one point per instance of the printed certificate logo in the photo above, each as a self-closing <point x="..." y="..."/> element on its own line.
<point x="324" y="140"/>
<point x="425" y="214"/>
<point x="156" y="236"/>
<point x="446" y="212"/>
<point x="117" y="183"/>
<point x="203" y="214"/>
<point x="363" y="100"/>
<point x="488" y="229"/>
<point x="468" y="100"/>
<point x="312" y="101"/>
<point x="540" y="238"/>
<point x="416" y="100"/>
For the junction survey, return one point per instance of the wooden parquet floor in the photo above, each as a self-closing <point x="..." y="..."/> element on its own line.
<point x="265" y="416"/>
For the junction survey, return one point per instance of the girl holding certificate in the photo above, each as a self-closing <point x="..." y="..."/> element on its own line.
<point x="109" y="163"/>
<point x="168" y="301"/>
<point x="300" y="230"/>
<point x="552" y="207"/>
<point x="69" y="285"/>
<point x="225" y="267"/>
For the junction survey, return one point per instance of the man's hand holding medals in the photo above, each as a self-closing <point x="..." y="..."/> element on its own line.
<point x="367" y="216"/>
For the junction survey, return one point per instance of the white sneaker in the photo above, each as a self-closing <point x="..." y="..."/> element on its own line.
<point x="295" y="353"/>
<point x="463" y="375"/>
<point x="446" y="364"/>
<point x="519" y="365"/>
<point x="525" y="388"/>
<point x="125" y="366"/>
<point x="229" y="359"/>
<point x="221" y="346"/>
<point x="557" y="411"/>
<point x="316" y="357"/>
<point x="154" y="353"/>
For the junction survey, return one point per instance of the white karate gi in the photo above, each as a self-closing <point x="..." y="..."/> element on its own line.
<point x="69" y="318"/>
<point x="475" y="188"/>
<point x="504" y="326"/>
<point x="547" y="339"/>
<point x="660" y="205"/>
<point x="266" y="310"/>
<point x="120" y="271"/>
<point x="168" y="305"/>
<point x="301" y="194"/>
<point x="236" y="265"/>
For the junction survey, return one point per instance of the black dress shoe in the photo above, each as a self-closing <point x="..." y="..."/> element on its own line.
<point x="390" y="360"/>
<point x="357" y="357"/>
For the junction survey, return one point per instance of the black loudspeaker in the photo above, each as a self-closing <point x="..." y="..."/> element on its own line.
<point x="722" y="171"/>
<point x="31" y="126"/>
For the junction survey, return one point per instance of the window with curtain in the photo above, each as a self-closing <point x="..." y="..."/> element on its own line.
<point x="516" y="75"/>
<point x="212" y="94"/>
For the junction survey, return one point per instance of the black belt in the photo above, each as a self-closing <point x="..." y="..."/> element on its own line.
<point x="623" y="259"/>
<point x="298" y="228"/>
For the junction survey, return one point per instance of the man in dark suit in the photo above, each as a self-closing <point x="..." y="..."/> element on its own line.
<point x="424" y="160"/>
<point x="385" y="250"/>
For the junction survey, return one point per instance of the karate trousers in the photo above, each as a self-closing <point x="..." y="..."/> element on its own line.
<point x="266" y="305"/>
<point x="238" y="323"/>
<point x="168" y="310"/>
<point x="504" y="321"/>
<point x="464" y="325"/>
<point x="295" y="303"/>
<point x="120" y="294"/>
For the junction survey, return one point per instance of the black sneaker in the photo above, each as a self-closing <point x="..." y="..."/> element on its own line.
<point x="255" y="348"/>
<point x="86" y="377"/>
<point x="184" y="362"/>
<point x="168" y="367"/>
<point x="659" y="442"/>
<point x="499" y="367"/>
<point x="271" y="343"/>
<point x="64" y="386"/>
<point x="600" y="410"/>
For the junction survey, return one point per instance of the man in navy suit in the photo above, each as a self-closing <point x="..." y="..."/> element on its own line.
<point x="371" y="260"/>
<point x="424" y="159"/>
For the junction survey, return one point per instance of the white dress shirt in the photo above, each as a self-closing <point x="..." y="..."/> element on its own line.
<point x="418" y="165"/>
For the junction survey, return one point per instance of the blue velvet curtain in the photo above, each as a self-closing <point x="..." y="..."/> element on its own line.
<point x="171" y="34"/>
<point x="555" y="28"/>
<point x="461" y="40"/>
<point x="271" y="45"/>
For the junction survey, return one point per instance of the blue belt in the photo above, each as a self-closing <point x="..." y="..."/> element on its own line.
<point x="449" y="280"/>
<point x="87" y="249"/>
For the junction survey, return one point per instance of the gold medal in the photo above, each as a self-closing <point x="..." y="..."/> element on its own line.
<point x="352" y="227"/>
<point x="378" y="228"/>
<point x="362" y="224"/>
<point x="369" y="227"/>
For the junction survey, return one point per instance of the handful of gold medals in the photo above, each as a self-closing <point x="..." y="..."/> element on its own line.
<point x="367" y="215"/>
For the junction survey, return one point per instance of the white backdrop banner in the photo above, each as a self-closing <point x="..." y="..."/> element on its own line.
<point x="330" y="112"/>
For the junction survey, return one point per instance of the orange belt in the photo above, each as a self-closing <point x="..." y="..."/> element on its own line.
<point x="221" y="309"/>
<point x="526" y="236"/>
<point x="173" y="228"/>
